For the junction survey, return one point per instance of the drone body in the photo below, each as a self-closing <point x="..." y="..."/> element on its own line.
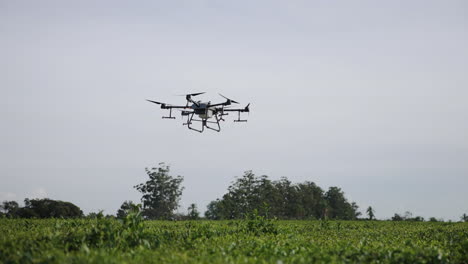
<point x="206" y="112"/>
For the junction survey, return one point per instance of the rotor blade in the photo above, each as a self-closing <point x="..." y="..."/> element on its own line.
<point x="155" y="102"/>
<point x="188" y="97"/>
<point x="192" y="94"/>
<point x="230" y="100"/>
<point x="195" y="94"/>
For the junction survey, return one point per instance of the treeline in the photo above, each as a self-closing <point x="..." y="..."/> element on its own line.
<point x="248" y="194"/>
<point x="40" y="208"/>
<point x="281" y="199"/>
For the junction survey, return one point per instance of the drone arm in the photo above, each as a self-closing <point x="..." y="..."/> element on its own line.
<point x="220" y="104"/>
<point x="176" y="107"/>
<point x="165" y="106"/>
<point x="235" y="110"/>
<point x="240" y="110"/>
<point x="245" y="109"/>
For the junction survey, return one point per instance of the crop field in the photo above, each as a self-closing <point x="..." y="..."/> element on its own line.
<point x="254" y="240"/>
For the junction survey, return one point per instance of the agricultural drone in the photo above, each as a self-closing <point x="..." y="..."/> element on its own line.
<point x="207" y="112"/>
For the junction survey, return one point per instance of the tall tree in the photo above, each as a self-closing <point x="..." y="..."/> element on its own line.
<point x="370" y="213"/>
<point x="287" y="206"/>
<point x="311" y="198"/>
<point x="10" y="208"/>
<point x="353" y="211"/>
<point x="408" y="215"/>
<point x="338" y="206"/>
<point x="397" y="217"/>
<point x="193" y="213"/>
<point x="464" y="218"/>
<point x="125" y="208"/>
<point x="213" y="210"/>
<point x="243" y="192"/>
<point x="161" y="193"/>
<point x="246" y="194"/>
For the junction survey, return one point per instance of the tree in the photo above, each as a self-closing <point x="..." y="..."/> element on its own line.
<point x="244" y="195"/>
<point x="161" y="193"/>
<point x="353" y="210"/>
<point x="94" y="215"/>
<point x="338" y="206"/>
<point x="370" y="213"/>
<point x="408" y="215"/>
<point x="47" y="208"/>
<point x="41" y="208"/>
<point x="464" y="218"/>
<point x="193" y="213"/>
<point x="125" y="208"/>
<point x="213" y="210"/>
<point x="310" y="197"/>
<point x="282" y="199"/>
<point x="10" y="208"/>
<point x="397" y="217"/>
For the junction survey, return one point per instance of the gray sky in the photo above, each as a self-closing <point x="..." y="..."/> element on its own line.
<point x="370" y="96"/>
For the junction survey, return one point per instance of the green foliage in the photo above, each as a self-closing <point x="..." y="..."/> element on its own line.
<point x="370" y="212"/>
<point x="258" y="224"/>
<point x="124" y="209"/>
<point x="193" y="213"/>
<point x="161" y="193"/>
<point x="409" y="217"/>
<point x="285" y="199"/>
<point x="464" y="218"/>
<point x="41" y="208"/>
<point x="213" y="210"/>
<point x="9" y="208"/>
<point x="99" y="214"/>
<point x="337" y="205"/>
<point x="255" y="239"/>
<point x="397" y="217"/>
<point x="433" y="219"/>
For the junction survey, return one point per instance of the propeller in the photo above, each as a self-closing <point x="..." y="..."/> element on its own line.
<point x="195" y="94"/>
<point x="188" y="97"/>
<point x="159" y="103"/>
<point x="154" y="102"/>
<point x="247" y="109"/>
<point x="229" y="100"/>
<point x="192" y="94"/>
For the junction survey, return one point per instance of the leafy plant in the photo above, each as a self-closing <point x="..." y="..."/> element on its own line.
<point x="255" y="239"/>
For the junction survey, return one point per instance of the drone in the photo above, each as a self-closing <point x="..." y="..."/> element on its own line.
<point x="206" y="112"/>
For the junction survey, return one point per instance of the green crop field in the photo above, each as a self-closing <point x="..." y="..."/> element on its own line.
<point x="255" y="240"/>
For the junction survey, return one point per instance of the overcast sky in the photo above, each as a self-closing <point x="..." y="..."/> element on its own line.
<point x="369" y="96"/>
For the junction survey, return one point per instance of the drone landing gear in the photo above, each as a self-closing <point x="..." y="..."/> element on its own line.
<point x="189" y="122"/>
<point x="204" y="124"/>
<point x="217" y="122"/>
<point x="170" y="115"/>
<point x="238" y="118"/>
